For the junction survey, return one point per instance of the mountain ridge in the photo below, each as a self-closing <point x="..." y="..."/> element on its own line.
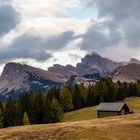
<point x="17" y="78"/>
<point x="127" y="73"/>
<point x="91" y="63"/>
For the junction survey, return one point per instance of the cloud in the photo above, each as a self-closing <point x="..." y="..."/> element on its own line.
<point x="5" y="1"/>
<point x="117" y="23"/>
<point x="101" y="36"/>
<point x="47" y="8"/>
<point x="117" y="8"/>
<point x="9" y="18"/>
<point x="32" y="46"/>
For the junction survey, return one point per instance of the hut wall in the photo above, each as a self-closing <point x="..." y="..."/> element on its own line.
<point x="102" y="114"/>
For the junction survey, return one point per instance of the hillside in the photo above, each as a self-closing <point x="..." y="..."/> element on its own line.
<point x="112" y="128"/>
<point x="133" y="103"/>
<point x="127" y="73"/>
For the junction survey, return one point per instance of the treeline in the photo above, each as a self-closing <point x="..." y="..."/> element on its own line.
<point x="40" y="108"/>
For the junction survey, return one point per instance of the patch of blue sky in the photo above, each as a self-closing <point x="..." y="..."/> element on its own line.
<point x="84" y="12"/>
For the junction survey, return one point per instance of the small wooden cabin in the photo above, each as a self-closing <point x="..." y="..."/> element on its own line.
<point x="112" y="109"/>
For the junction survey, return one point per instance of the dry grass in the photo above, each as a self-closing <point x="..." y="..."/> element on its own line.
<point x="82" y="114"/>
<point x="113" y="128"/>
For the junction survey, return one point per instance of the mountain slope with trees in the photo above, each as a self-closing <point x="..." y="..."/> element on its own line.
<point x="49" y="107"/>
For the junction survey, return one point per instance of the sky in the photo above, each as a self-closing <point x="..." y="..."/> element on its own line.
<point x="45" y="32"/>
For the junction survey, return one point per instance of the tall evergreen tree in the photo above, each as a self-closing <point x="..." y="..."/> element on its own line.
<point x="65" y="99"/>
<point x="9" y="114"/>
<point x="25" y="119"/>
<point x="30" y="107"/>
<point x="56" y="111"/>
<point x="1" y="115"/>
<point x="77" y="98"/>
<point x="91" y="99"/>
<point x="39" y="108"/>
<point x="83" y="94"/>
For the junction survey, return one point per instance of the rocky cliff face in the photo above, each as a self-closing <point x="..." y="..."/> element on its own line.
<point x="95" y="62"/>
<point x="133" y="60"/>
<point x="90" y="64"/>
<point x="127" y="73"/>
<point x="17" y="79"/>
<point x="66" y="71"/>
<point x="86" y="80"/>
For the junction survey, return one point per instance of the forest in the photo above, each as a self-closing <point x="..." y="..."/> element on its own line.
<point x="49" y="107"/>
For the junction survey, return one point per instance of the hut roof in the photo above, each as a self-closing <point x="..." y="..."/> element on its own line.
<point x="110" y="106"/>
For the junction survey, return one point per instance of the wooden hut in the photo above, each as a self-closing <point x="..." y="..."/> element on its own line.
<point x="112" y="109"/>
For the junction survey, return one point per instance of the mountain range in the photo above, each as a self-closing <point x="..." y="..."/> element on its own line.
<point x="17" y="79"/>
<point x="90" y="64"/>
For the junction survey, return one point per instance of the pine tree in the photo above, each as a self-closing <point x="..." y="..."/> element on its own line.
<point x="30" y="107"/>
<point x="77" y="99"/>
<point x="91" y="96"/>
<point x="56" y="111"/>
<point x="39" y="108"/>
<point x="47" y="105"/>
<point x="25" y="119"/>
<point x="65" y="99"/>
<point x="9" y="114"/>
<point x="1" y="115"/>
<point x="18" y="113"/>
<point x="83" y="94"/>
<point x="138" y="88"/>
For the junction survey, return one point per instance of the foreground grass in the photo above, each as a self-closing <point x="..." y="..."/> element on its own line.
<point x="112" y="128"/>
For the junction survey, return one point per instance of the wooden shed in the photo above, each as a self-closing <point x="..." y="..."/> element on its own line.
<point x="112" y="109"/>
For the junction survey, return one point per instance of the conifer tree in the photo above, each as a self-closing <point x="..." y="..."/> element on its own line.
<point x="25" y="119"/>
<point x="39" y="108"/>
<point x="83" y="94"/>
<point x="30" y="107"/>
<point x="77" y="99"/>
<point x="47" y="108"/>
<point x="56" y="111"/>
<point x="65" y="99"/>
<point x="91" y="96"/>
<point x="9" y="114"/>
<point x="1" y="115"/>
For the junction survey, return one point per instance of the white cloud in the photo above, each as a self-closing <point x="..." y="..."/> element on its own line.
<point x="49" y="8"/>
<point x="121" y="53"/>
<point x="112" y="36"/>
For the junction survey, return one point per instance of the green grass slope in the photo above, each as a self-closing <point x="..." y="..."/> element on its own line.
<point x="90" y="112"/>
<point x="82" y="114"/>
<point x="112" y="128"/>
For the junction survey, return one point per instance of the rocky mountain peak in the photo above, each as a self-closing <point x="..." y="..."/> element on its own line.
<point x="134" y="60"/>
<point x="12" y="70"/>
<point x="17" y="79"/>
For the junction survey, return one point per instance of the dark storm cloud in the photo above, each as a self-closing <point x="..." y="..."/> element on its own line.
<point x="100" y="36"/>
<point x="117" y="8"/>
<point x="35" y="47"/>
<point x="9" y="18"/>
<point x="122" y="22"/>
<point x="59" y="41"/>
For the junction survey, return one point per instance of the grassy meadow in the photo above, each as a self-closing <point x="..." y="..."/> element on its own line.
<point x="82" y="125"/>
